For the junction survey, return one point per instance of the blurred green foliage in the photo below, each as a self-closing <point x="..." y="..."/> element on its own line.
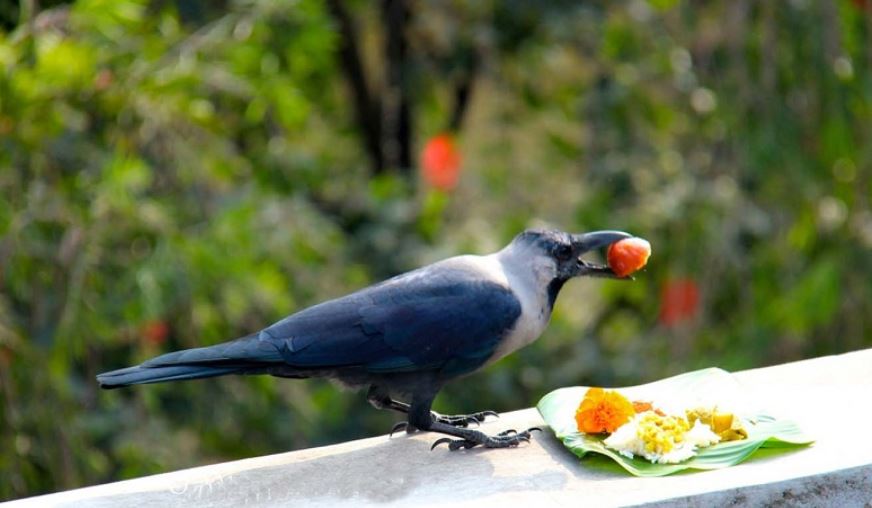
<point x="178" y="175"/>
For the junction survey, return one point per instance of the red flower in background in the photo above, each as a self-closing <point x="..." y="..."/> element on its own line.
<point x="103" y="80"/>
<point x="440" y="162"/>
<point x="155" y="332"/>
<point x="679" y="301"/>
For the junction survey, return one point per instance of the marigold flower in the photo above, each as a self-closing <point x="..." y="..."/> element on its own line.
<point x="603" y="411"/>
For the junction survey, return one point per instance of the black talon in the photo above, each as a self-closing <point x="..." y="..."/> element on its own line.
<point x="398" y="426"/>
<point x="440" y="441"/>
<point x="481" y="416"/>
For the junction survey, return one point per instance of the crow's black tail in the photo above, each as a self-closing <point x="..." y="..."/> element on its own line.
<point x="140" y="375"/>
<point x="247" y="355"/>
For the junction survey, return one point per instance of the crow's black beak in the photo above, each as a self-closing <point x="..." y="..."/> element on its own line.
<point x="587" y="242"/>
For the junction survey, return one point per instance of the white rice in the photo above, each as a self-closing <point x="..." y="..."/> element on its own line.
<point x="627" y="440"/>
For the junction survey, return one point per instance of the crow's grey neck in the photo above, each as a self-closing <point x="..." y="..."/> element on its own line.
<point x="554" y="288"/>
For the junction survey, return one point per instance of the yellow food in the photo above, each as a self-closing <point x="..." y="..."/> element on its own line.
<point x="661" y="433"/>
<point x="662" y="439"/>
<point x="725" y="425"/>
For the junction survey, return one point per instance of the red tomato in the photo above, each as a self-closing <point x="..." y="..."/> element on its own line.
<point x="628" y="256"/>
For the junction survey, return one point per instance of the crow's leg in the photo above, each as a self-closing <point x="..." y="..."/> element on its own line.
<point x="381" y="400"/>
<point x="422" y="418"/>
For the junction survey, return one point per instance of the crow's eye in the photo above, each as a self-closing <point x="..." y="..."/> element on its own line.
<point x="563" y="252"/>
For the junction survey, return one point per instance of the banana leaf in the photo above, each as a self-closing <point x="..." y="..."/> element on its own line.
<point x="698" y="388"/>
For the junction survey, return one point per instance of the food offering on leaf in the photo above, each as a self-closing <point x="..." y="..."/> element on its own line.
<point x="699" y="420"/>
<point x="640" y="429"/>
<point x="628" y="256"/>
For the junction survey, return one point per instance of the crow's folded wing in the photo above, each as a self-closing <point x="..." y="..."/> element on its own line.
<point x="446" y="319"/>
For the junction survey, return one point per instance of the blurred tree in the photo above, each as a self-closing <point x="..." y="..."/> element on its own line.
<point x="179" y="173"/>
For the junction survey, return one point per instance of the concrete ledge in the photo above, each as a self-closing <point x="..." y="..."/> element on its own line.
<point x="830" y="397"/>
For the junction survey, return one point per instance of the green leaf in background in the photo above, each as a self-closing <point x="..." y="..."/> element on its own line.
<point x="702" y="387"/>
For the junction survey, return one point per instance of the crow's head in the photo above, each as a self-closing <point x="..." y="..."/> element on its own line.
<point x="555" y="256"/>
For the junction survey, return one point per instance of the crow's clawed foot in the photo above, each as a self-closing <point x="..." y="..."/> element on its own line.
<point x="464" y="420"/>
<point x="506" y="439"/>
<point x="402" y="426"/>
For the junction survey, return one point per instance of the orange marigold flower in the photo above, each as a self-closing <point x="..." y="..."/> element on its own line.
<point x="603" y="411"/>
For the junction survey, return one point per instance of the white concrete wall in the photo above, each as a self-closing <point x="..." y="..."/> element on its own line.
<point x="830" y="397"/>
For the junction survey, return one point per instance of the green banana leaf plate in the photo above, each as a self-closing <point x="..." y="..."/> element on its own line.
<point x="702" y="387"/>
